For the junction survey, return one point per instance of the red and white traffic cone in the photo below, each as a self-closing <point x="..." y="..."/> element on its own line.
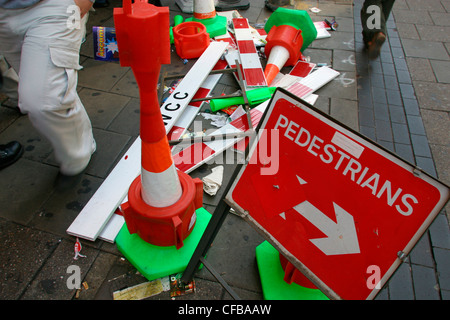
<point x="204" y="9"/>
<point x="277" y="59"/>
<point x="162" y="200"/>
<point x="283" y="49"/>
<point x="205" y="13"/>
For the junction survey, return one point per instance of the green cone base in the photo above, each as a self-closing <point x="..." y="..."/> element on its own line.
<point x="216" y="26"/>
<point x="271" y="274"/>
<point x="154" y="262"/>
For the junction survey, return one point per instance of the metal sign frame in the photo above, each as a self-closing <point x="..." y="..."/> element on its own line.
<point x="325" y="288"/>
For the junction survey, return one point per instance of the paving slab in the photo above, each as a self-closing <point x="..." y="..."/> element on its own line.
<point x="441" y="70"/>
<point x="25" y="187"/>
<point x="425" y="283"/>
<point x="442" y="264"/>
<point x="36" y="148"/>
<point x="97" y="275"/>
<point x="425" y="49"/>
<point x="345" y="111"/>
<point x="127" y="121"/>
<point x="61" y="208"/>
<point x="407" y="31"/>
<point x="432" y="95"/>
<point x="440" y="18"/>
<point x="428" y="5"/>
<point x="242" y="273"/>
<point x="442" y="153"/>
<point x="344" y="60"/>
<point x="110" y="147"/>
<point x="433" y="33"/>
<point x="412" y="17"/>
<point x="420" y="69"/>
<point x="102" y="107"/>
<point x="24" y="251"/>
<point x="100" y="75"/>
<point x="400" y="285"/>
<point x="51" y="283"/>
<point x="437" y="124"/>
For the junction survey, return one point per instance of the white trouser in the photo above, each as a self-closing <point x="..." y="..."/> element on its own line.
<point x="42" y="43"/>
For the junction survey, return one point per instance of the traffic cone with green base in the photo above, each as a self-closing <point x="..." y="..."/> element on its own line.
<point x="205" y="13"/>
<point x="163" y="202"/>
<point x="289" y="32"/>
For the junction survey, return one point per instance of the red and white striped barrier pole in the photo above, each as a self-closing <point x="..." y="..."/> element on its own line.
<point x="251" y="65"/>
<point x="162" y="201"/>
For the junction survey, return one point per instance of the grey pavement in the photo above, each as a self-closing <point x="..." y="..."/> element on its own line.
<point x="400" y="100"/>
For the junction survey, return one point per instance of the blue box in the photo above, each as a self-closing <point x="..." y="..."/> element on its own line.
<point x="105" y="44"/>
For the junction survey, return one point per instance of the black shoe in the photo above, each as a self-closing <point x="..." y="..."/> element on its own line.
<point x="103" y="4"/>
<point x="10" y="153"/>
<point x="374" y="46"/>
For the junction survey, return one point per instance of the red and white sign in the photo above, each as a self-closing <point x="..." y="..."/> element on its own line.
<point x="339" y="207"/>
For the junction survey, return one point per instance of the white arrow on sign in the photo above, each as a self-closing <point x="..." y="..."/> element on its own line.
<point x="341" y="235"/>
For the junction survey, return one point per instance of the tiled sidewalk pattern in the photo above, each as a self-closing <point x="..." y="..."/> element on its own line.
<point x="404" y="107"/>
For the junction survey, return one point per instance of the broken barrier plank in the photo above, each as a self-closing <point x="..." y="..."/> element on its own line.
<point x="113" y="226"/>
<point x="199" y="153"/>
<point x="191" y="111"/>
<point x="313" y="81"/>
<point x="251" y="65"/>
<point x="179" y="99"/>
<point x="97" y="212"/>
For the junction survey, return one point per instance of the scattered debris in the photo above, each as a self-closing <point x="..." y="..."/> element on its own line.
<point x="78" y="248"/>
<point x="213" y="181"/>
<point x="140" y="291"/>
<point x="218" y="120"/>
<point x="78" y="292"/>
<point x="178" y="288"/>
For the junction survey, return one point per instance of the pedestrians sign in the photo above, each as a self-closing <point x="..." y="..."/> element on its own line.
<point x="342" y="209"/>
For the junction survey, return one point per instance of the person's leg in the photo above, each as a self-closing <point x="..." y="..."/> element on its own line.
<point x="10" y="80"/>
<point x="370" y="21"/>
<point x="387" y="8"/>
<point x="10" y="48"/>
<point x="48" y="81"/>
<point x="11" y="151"/>
<point x="374" y="14"/>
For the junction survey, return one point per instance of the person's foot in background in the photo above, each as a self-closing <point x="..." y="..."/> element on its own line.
<point x="374" y="46"/>
<point x="101" y="3"/>
<point x="10" y="153"/>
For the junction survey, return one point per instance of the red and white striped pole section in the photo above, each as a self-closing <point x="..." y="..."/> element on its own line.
<point x="160" y="184"/>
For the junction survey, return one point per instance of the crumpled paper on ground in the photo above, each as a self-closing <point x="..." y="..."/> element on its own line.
<point x="218" y="120"/>
<point x="213" y="181"/>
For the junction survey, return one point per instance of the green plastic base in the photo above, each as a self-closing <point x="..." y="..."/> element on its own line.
<point x="271" y="274"/>
<point x="216" y="26"/>
<point x="154" y="262"/>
